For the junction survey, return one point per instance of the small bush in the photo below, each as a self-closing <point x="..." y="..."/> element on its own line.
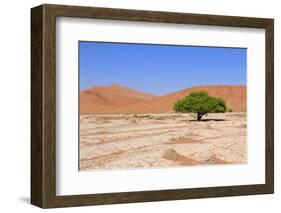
<point x="230" y="110"/>
<point x="143" y="116"/>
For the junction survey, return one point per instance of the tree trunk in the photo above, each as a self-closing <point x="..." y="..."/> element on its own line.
<point x="199" y="116"/>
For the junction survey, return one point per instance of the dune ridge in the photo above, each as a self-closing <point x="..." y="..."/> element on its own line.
<point x="119" y="99"/>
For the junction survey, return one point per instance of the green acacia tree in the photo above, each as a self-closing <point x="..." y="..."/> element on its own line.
<point x="200" y="103"/>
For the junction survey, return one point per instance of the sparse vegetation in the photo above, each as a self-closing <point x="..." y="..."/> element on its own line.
<point x="200" y="103"/>
<point x="143" y="116"/>
<point x="230" y="110"/>
<point x="160" y="118"/>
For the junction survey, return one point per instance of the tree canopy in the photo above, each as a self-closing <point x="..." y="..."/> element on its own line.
<point x="200" y="103"/>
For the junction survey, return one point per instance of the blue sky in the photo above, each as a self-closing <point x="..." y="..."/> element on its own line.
<point x="159" y="69"/>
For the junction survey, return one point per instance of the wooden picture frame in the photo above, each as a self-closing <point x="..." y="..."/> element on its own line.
<point x="43" y="105"/>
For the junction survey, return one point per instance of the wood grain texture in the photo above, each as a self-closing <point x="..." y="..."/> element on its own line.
<point x="269" y="106"/>
<point x="43" y="105"/>
<point x="36" y="106"/>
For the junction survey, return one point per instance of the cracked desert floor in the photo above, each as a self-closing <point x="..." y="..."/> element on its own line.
<point x="130" y="141"/>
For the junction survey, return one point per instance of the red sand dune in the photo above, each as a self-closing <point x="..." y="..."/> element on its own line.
<point x="111" y="99"/>
<point x="119" y="99"/>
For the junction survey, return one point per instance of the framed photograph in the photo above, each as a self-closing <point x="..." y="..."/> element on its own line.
<point x="136" y="106"/>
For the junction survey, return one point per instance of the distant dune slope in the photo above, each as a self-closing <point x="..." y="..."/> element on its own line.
<point x="110" y="99"/>
<point x="119" y="99"/>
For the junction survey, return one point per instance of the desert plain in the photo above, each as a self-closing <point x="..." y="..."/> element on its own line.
<point x="122" y="128"/>
<point x="129" y="141"/>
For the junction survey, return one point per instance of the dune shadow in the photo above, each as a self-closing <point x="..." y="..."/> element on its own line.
<point x="204" y="120"/>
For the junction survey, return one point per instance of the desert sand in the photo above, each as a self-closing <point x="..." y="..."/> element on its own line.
<point x="129" y="141"/>
<point x="120" y="99"/>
